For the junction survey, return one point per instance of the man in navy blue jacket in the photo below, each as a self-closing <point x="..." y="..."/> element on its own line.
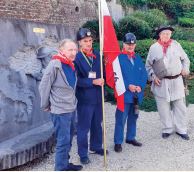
<point x="135" y="78"/>
<point x="89" y="109"/>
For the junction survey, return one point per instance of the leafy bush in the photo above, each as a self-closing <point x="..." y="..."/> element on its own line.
<point x="149" y="103"/>
<point x="150" y="17"/>
<point x="135" y="25"/>
<point x="181" y="33"/>
<point x="186" y="22"/>
<point x="173" y="8"/>
<point x="189" y="49"/>
<point x="190" y="97"/>
<point x="189" y="15"/>
<point x="93" y="25"/>
<point x="134" y="3"/>
<point x="143" y="47"/>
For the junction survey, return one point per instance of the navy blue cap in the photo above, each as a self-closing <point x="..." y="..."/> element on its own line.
<point x="129" y="38"/>
<point x="83" y="33"/>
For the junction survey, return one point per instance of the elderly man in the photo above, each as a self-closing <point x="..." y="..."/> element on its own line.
<point x="89" y="97"/>
<point x="166" y="64"/>
<point x="135" y="78"/>
<point x="57" y="91"/>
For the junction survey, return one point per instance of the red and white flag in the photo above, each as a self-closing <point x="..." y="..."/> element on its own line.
<point x="111" y="51"/>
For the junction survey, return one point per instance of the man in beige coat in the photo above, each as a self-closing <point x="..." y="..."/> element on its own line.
<point x="166" y="64"/>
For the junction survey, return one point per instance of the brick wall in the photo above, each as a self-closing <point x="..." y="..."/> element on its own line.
<point x="68" y="12"/>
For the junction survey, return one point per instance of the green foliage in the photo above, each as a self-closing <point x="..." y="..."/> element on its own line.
<point x="134" y="3"/>
<point x="190" y="97"/>
<point x="93" y="25"/>
<point x="143" y="47"/>
<point x="182" y="33"/>
<point x="170" y="7"/>
<point x="142" y="23"/>
<point x="135" y="25"/>
<point x="189" y="15"/>
<point x="189" y="49"/>
<point x="150" y="17"/>
<point x="186" y="22"/>
<point x="149" y="103"/>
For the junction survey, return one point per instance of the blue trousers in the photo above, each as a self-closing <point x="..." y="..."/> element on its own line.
<point x="89" y="119"/>
<point x="120" y="118"/>
<point x="64" y="128"/>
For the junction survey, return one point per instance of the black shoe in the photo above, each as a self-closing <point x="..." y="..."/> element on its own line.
<point x="183" y="136"/>
<point x="165" y="135"/>
<point x="72" y="167"/>
<point x="85" y="160"/>
<point x="99" y="152"/>
<point x="134" y="142"/>
<point x="118" y="148"/>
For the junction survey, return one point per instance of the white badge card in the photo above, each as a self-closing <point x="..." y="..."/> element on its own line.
<point x="92" y="75"/>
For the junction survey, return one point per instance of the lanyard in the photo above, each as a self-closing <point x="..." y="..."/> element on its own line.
<point x="90" y="64"/>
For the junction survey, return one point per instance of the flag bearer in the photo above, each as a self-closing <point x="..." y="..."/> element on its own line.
<point x="89" y="97"/>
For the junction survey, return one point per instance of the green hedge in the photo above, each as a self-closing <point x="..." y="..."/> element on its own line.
<point x="93" y="25"/>
<point x="189" y="15"/>
<point x="189" y="49"/>
<point x="186" y="22"/>
<point x="134" y="3"/>
<point x="150" y="17"/>
<point x="142" y="23"/>
<point x="182" y="33"/>
<point x="135" y="25"/>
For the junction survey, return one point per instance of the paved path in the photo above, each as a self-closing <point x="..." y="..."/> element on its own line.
<point x="156" y="154"/>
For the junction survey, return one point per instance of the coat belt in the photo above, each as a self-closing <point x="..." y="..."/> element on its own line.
<point x="172" y="77"/>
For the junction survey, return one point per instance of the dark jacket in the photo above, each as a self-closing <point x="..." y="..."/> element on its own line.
<point x="133" y="74"/>
<point x="86" y="92"/>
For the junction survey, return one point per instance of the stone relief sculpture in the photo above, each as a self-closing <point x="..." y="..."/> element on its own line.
<point x="20" y="77"/>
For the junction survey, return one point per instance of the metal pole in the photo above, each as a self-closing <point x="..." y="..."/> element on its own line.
<point x="101" y="28"/>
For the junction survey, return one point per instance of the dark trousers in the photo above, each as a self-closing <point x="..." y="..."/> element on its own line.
<point x="89" y="119"/>
<point x="120" y="120"/>
<point x="64" y="128"/>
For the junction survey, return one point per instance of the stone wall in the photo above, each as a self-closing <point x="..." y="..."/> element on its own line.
<point x="68" y="12"/>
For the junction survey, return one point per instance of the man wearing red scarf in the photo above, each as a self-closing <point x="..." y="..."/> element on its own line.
<point x="135" y="76"/>
<point x="89" y="109"/>
<point x="57" y="92"/>
<point x="167" y="82"/>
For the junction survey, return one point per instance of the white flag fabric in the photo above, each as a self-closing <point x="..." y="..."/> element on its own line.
<point x="118" y="77"/>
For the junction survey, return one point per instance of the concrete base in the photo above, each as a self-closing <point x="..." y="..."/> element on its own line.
<point x="26" y="147"/>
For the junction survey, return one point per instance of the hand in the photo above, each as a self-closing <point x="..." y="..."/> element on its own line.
<point x="99" y="81"/>
<point x="47" y="109"/>
<point x="132" y="88"/>
<point x="157" y="81"/>
<point x="138" y="89"/>
<point x="183" y="72"/>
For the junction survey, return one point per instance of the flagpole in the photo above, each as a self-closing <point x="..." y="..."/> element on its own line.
<point x="101" y="36"/>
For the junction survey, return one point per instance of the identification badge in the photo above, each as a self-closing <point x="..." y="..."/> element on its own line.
<point x="92" y="75"/>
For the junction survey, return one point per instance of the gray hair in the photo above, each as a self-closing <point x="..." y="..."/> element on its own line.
<point x="64" y="42"/>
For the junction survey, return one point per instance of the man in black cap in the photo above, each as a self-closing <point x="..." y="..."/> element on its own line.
<point x="135" y="78"/>
<point x="89" y="97"/>
<point x="166" y="63"/>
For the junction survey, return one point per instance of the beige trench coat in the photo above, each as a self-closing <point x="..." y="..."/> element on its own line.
<point x="175" y="60"/>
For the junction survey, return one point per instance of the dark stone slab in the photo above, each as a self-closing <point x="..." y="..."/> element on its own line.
<point x="26" y="147"/>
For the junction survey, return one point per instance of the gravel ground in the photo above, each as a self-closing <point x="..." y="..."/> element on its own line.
<point x="155" y="154"/>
